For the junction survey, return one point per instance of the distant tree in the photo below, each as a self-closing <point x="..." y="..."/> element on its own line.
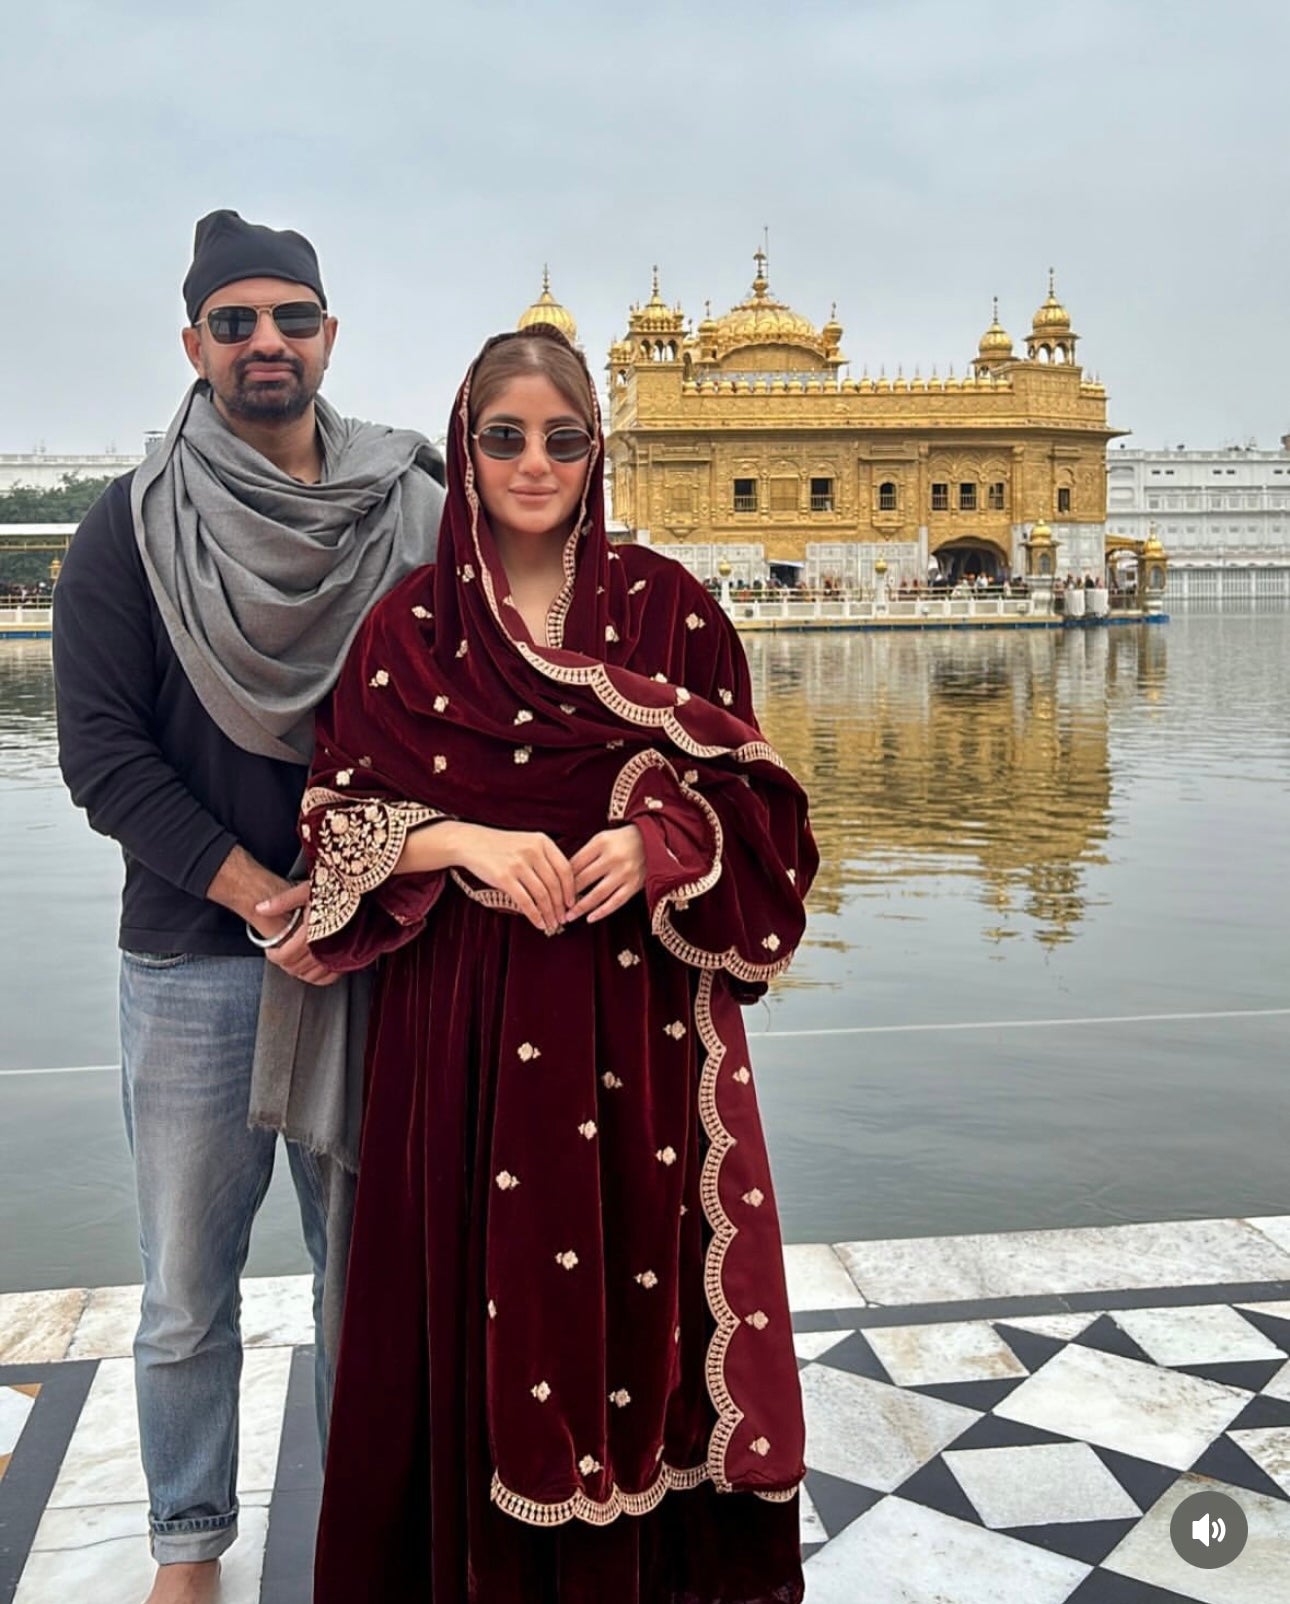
<point x="67" y="502"/>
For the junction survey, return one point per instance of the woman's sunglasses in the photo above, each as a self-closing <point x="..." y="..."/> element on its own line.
<point x="506" y="441"/>
<point x="234" y="325"/>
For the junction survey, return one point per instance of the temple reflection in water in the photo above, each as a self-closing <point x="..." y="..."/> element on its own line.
<point x="974" y="753"/>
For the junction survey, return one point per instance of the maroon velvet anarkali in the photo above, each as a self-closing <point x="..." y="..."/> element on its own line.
<point x="566" y="1374"/>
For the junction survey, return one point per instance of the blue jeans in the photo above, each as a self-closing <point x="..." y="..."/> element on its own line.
<point x="187" y="1039"/>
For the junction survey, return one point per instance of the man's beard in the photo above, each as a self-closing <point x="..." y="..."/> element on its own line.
<point x="279" y="401"/>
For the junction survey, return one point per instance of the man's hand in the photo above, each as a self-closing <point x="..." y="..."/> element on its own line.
<point x="293" y="955"/>
<point x="608" y="871"/>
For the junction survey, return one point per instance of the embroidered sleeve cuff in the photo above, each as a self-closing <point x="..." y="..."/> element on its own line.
<point x="354" y="845"/>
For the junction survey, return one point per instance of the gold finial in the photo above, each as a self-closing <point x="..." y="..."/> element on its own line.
<point x="707" y="309"/>
<point x="546" y="279"/>
<point x="1052" y="283"/>
<point x="996" y="309"/>
<point x="656" y="281"/>
<point x="761" y="283"/>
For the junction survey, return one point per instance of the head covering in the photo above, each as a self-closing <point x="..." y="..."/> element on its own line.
<point x="226" y="249"/>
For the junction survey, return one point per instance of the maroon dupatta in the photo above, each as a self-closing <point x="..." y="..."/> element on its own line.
<point x="634" y="1321"/>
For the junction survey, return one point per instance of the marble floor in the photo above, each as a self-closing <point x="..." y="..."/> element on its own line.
<point x="990" y="1420"/>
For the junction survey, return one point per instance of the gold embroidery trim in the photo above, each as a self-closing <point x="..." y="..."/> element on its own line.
<point x="661" y="923"/>
<point x="357" y="844"/>
<point x="597" y="1512"/>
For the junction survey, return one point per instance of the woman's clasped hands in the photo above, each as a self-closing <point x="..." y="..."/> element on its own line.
<point x="549" y="889"/>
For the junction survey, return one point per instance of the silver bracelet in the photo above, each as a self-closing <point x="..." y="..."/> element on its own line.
<point x="267" y="943"/>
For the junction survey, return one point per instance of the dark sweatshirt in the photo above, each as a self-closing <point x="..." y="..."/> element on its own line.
<point x="145" y="760"/>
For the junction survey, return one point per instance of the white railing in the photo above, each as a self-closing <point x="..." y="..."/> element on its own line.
<point x="795" y="606"/>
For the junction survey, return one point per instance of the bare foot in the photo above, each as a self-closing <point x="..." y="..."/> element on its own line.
<point x="185" y="1584"/>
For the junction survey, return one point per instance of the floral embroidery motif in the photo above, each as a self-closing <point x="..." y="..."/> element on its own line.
<point x="638" y="586"/>
<point x="522" y="754"/>
<point x="621" y="1398"/>
<point x="526" y="1050"/>
<point x="541" y="1392"/>
<point x="647" y="1279"/>
<point x="358" y="845"/>
<point x="682" y="695"/>
<point x="755" y="1198"/>
<point x="568" y="1260"/>
<point x="587" y="1129"/>
<point x="492" y="1310"/>
<point x="611" y="634"/>
<point x="611" y="1080"/>
<point x="675" y="1030"/>
<point x="653" y="803"/>
<point x="760" y="1446"/>
<point x="743" y="1075"/>
<point x="792" y="876"/>
<point x="440" y="763"/>
<point x="726" y="696"/>
<point x="441" y="704"/>
<point x="612" y="746"/>
<point x="344" y="776"/>
<point x="421" y="612"/>
<point x="666" y="1155"/>
<point x="589" y="1466"/>
<point x="691" y="777"/>
<point x="364" y="762"/>
<point x="661" y="678"/>
<point x="524" y="716"/>
<point x="684" y="1210"/>
<point x="569" y="708"/>
<point x="627" y="957"/>
<point x="467" y="573"/>
<point x="613" y="556"/>
<point x="758" y="1319"/>
<point x="305" y="831"/>
<point x="771" y="942"/>
<point x="507" y="1181"/>
<point x="381" y="677"/>
<point x="693" y="621"/>
<point x="463" y="648"/>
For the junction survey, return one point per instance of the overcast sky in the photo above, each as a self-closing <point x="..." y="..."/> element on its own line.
<point x="911" y="158"/>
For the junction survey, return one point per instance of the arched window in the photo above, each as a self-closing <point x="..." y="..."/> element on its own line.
<point x="887" y="496"/>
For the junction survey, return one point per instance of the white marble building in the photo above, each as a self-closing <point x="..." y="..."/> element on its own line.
<point x="1211" y="508"/>
<point x="45" y="470"/>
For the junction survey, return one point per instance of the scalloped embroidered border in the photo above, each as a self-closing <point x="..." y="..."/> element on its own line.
<point x="724" y="1232"/>
<point x="400" y="817"/>
<point x="661" y="923"/>
<point x="596" y="1512"/>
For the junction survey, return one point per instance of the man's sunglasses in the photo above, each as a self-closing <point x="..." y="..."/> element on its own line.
<point x="506" y="441"/>
<point x="234" y="325"/>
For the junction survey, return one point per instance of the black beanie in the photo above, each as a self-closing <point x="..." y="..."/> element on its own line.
<point x="226" y="249"/>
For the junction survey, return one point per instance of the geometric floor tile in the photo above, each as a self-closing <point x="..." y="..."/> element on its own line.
<point x="1065" y="1326"/>
<point x="1039" y="1486"/>
<point x="855" y="1354"/>
<point x="811" y="1344"/>
<point x="1269" y="1447"/>
<point x="1126" y="1405"/>
<point x="1227" y="1461"/>
<point x="920" y="1356"/>
<point x="903" y="1553"/>
<point x="1202" y="1334"/>
<point x="16" y="1404"/>
<point x="1257" y="1576"/>
<point x="877" y="1435"/>
<point x="836" y="1503"/>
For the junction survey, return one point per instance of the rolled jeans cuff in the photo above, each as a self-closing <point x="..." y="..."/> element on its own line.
<point x="190" y="1542"/>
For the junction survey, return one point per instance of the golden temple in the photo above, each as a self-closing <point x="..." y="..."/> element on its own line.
<point x="747" y="439"/>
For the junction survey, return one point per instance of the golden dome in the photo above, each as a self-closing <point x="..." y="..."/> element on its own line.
<point x="1052" y="317"/>
<point x="996" y="341"/>
<point x="1152" y="546"/>
<point x="546" y="309"/>
<point x="762" y="320"/>
<point x="656" y="316"/>
<point x="1041" y="534"/>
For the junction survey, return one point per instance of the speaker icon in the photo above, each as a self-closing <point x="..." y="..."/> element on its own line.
<point x="1208" y="1529"/>
<point x="1205" y="1528"/>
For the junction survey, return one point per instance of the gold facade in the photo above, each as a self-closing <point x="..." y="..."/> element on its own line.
<point x="745" y="431"/>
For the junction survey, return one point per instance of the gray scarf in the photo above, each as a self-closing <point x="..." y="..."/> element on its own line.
<point x="262" y="583"/>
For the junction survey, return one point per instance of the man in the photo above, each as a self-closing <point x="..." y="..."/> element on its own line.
<point x="202" y="613"/>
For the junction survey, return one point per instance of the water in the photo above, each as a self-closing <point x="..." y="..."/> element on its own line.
<point x="1021" y="833"/>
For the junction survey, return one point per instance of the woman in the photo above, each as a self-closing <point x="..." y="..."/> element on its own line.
<point x="566" y="1372"/>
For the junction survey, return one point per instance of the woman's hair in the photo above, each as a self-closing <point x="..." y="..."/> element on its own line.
<point x="539" y="349"/>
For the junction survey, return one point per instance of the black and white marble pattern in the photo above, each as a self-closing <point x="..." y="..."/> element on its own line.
<point x="990" y="1420"/>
